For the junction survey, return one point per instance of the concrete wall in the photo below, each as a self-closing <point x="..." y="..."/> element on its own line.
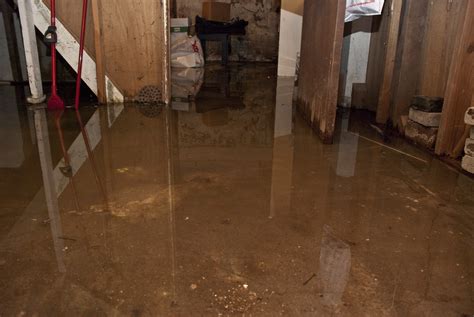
<point x="261" y="41"/>
<point x="291" y="26"/>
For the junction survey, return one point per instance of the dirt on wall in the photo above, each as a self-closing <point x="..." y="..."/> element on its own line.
<point x="261" y="41"/>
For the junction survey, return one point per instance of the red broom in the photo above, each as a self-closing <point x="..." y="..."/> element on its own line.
<point x="54" y="102"/>
<point x="81" y="54"/>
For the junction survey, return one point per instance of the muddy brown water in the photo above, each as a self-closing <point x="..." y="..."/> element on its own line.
<point x="226" y="204"/>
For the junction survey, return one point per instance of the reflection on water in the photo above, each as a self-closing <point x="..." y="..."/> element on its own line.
<point x="50" y="189"/>
<point x="227" y="203"/>
<point x="334" y="267"/>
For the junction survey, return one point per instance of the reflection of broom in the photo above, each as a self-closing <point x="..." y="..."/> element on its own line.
<point x="90" y="154"/>
<point x="67" y="170"/>
<point x="51" y="37"/>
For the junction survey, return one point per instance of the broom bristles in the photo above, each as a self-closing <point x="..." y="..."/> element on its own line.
<point x="55" y="103"/>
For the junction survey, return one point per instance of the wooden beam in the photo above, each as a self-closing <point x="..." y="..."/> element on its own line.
<point x="323" y="26"/>
<point x="33" y="68"/>
<point x="441" y="26"/>
<point x="460" y="87"/>
<point x="99" y="52"/>
<point x="383" y="108"/>
<point x="376" y="59"/>
<point x="409" y="58"/>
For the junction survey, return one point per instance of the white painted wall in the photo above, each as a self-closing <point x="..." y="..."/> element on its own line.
<point x="355" y="56"/>
<point x="291" y="26"/>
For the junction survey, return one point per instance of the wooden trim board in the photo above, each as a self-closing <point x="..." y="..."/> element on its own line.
<point x="321" y="48"/>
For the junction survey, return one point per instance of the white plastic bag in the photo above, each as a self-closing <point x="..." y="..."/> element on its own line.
<point x="187" y="52"/>
<point x="359" y="8"/>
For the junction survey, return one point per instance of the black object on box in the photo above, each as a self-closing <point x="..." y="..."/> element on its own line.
<point x="427" y="104"/>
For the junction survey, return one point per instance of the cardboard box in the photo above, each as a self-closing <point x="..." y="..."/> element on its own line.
<point x="180" y="25"/>
<point x="179" y="29"/>
<point x="216" y="11"/>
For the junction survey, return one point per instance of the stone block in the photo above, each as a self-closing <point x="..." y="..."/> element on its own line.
<point x="428" y="119"/>
<point x="468" y="163"/>
<point x="427" y="104"/>
<point x="419" y="134"/>
<point x="469" y="148"/>
<point x="469" y="117"/>
<point x="472" y="133"/>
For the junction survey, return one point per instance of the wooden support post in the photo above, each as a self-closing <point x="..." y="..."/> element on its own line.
<point x="460" y="87"/>
<point x="442" y="24"/>
<point x="99" y="52"/>
<point x="409" y="60"/>
<point x="31" y="52"/>
<point x="323" y="26"/>
<point x="384" y="101"/>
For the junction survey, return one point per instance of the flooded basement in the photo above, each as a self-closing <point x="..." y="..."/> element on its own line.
<point x="225" y="204"/>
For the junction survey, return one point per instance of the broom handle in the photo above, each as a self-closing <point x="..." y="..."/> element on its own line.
<point x="81" y="54"/>
<point x="53" y="49"/>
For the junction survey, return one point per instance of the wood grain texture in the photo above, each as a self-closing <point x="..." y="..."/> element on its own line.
<point x="460" y="86"/>
<point x="133" y="43"/>
<point x="323" y="26"/>
<point x="376" y="59"/>
<point x="132" y="32"/>
<point x="441" y="27"/>
<point x="394" y="8"/>
<point x="99" y="52"/>
<point x="409" y="56"/>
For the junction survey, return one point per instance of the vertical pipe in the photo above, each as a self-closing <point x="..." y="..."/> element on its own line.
<point x="166" y="70"/>
<point x="31" y="52"/>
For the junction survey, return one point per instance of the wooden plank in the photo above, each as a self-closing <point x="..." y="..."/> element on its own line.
<point x="376" y="59"/>
<point x="460" y="86"/>
<point x="383" y="108"/>
<point x="409" y="56"/>
<point x="323" y="26"/>
<point x="132" y="34"/>
<point x="99" y="53"/>
<point x="441" y="26"/>
<point x="133" y="39"/>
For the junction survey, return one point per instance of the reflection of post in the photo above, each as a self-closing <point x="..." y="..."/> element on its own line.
<point x="348" y="144"/>
<point x="282" y="169"/>
<point x="49" y="186"/>
<point x="171" y="218"/>
<point x="334" y="267"/>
